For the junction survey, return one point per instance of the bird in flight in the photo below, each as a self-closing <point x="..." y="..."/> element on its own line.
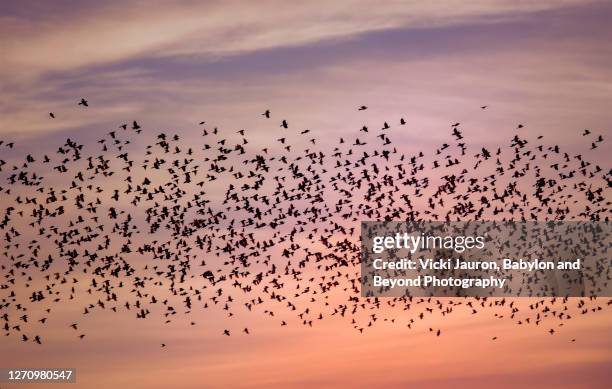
<point x="156" y="223"/>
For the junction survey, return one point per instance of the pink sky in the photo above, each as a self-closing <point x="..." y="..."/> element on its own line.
<point x="169" y="65"/>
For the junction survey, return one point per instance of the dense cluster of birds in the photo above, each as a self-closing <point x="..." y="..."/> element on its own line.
<point x="176" y="226"/>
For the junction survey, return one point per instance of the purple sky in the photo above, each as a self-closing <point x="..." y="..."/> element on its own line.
<point x="170" y="65"/>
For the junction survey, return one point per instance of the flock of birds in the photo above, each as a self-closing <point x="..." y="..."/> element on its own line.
<point x="178" y="226"/>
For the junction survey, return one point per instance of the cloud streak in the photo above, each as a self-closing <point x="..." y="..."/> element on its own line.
<point x="125" y="30"/>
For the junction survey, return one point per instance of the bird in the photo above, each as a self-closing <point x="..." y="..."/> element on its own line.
<point x="84" y="103"/>
<point x="157" y="223"/>
<point x="362" y="108"/>
<point x="52" y="115"/>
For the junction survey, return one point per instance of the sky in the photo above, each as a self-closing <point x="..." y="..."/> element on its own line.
<point x="171" y="64"/>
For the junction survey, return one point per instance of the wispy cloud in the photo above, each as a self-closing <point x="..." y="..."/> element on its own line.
<point x="119" y="31"/>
